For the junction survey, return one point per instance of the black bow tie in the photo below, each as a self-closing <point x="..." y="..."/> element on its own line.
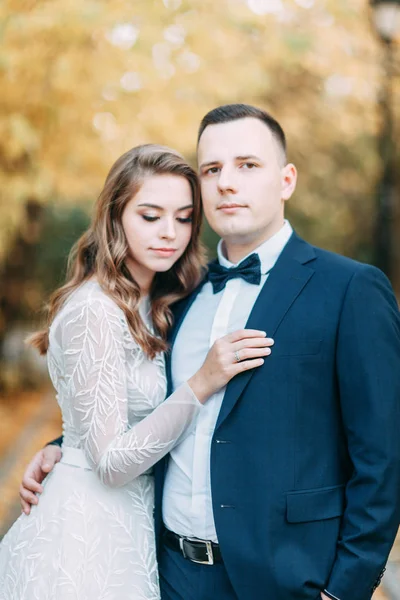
<point x="249" y="270"/>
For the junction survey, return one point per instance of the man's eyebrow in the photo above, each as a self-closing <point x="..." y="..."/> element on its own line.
<point x="248" y="157"/>
<point x="149" y="205"/>
<point x="208" y="164"/>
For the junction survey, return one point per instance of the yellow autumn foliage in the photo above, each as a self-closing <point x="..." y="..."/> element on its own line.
<point x="83" y="81"/>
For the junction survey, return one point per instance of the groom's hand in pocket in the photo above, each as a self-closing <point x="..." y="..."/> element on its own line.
<point x="39" y="467"/>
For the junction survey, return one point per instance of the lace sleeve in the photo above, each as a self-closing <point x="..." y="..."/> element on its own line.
<point x="95" y="370"/>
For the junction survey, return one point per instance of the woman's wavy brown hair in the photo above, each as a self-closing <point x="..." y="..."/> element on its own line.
<point x="101" y="251"/>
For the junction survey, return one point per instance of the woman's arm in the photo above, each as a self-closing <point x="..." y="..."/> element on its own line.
<point x="96" y="373"/>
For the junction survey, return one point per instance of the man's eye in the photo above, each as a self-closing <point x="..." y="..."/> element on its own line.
<point x="249" y="165"/>
<point x="211" y="171"/>
<point x="148" y="218"/>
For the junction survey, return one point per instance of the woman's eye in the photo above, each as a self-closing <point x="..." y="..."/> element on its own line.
<point x="184" y="219"/>
<point x="150" y="219"/>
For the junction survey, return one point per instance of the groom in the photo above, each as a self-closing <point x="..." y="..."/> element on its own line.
<point x="288" y="485"/>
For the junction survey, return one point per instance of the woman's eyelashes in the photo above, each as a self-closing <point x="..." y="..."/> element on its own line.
<point x="152" y="218"/>
<point x="149" y="218"/>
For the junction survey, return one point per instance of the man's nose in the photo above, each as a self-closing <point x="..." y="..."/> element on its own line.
<point x="226" y="181"/>
<point x="168" y="229"/>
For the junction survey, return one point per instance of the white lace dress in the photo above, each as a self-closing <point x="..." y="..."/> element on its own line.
<point x="91" y="537"/>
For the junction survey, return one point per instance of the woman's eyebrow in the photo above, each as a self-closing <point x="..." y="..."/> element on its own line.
<point x="149" y="205"/>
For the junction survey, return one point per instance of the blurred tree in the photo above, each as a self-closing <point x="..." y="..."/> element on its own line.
<point x="62" y="226"/>
<point x="17" y="267"/>
<point x="34" y="266"/>
<point x="83" y="82"/>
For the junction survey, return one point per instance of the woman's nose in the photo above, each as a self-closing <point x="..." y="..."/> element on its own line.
<point x="168" y="231"/>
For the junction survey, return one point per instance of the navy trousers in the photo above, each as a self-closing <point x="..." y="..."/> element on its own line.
<point x="180" y="579"/>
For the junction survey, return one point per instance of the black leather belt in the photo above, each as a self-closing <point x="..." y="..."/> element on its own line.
<point x="198" y="551"/>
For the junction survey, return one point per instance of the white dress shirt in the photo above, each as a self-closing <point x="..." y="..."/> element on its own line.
<point x="187" y="505"/>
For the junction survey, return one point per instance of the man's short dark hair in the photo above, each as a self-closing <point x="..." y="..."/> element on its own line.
<point x="234" y="112"/>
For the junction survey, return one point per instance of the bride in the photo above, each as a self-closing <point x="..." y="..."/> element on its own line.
<point x="91" y="536"/>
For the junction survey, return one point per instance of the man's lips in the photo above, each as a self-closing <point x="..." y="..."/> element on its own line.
<point x="230" y="208"/>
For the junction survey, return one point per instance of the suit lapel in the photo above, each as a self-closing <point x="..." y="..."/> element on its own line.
<point x="284" y="284"/>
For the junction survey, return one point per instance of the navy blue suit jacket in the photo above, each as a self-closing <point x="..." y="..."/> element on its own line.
<point x="305" y="460"/>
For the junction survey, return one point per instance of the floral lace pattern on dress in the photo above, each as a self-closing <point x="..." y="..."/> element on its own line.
<point x="92" y="535"/>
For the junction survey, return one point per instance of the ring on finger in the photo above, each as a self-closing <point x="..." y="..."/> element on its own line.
<point x="237" y="356"/>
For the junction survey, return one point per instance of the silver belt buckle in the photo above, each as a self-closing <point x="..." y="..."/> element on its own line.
<point x="209" y="550"/>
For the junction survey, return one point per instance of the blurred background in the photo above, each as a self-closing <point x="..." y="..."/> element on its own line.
<point x="82" y="82"/>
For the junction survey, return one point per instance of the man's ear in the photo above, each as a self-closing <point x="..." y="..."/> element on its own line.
<point x="289" y="180"/>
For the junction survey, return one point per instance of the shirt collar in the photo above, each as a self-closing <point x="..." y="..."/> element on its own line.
<point x="268" y="251"/>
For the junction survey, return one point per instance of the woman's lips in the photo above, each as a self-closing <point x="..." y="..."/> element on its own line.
<point x="164" y="252"/>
